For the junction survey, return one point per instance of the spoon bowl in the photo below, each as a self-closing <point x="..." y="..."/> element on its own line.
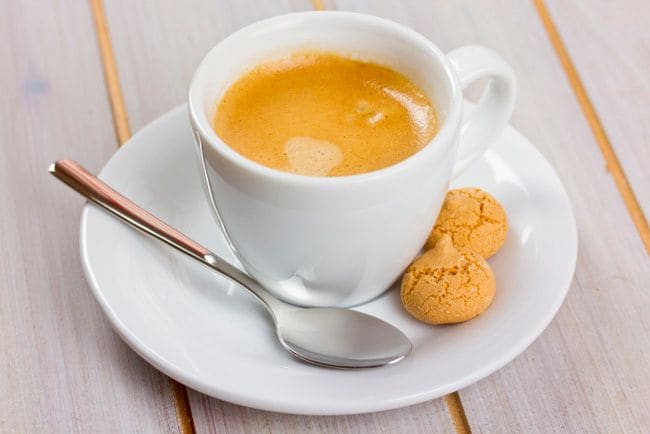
<point x="342" y="338"/>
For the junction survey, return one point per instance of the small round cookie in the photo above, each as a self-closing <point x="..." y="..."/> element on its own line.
<point x="473" y="219"/>
<point x="446" y="285"/>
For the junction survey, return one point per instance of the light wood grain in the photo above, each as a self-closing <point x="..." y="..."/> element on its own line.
<point x="609" y="44"/>
<point x="588" y="371"/>
<point x="63" y="368"/>
<point x="151" y="86"/>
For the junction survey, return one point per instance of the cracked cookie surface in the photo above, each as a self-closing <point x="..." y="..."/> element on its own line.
<point x="446" y="285"/>
<point x="473" y="219"/>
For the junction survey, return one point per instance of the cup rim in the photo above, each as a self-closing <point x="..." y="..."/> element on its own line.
<point x="444" y="135"/>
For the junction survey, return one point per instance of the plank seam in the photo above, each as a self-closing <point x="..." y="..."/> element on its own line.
<point x="613" y="164"/>
<point x="457" y="413"/>
<point x="115" y="96"/>
<point x="183" y="408"/>
<point x="123" y="133"/>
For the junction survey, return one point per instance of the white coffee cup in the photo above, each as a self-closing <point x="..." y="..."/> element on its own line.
<point x="318" y="241"/>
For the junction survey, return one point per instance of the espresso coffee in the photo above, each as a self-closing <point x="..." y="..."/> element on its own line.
<point x="322" y="114"/>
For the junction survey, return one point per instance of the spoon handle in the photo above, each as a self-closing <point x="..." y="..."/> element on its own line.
<point x="79" y="179"/>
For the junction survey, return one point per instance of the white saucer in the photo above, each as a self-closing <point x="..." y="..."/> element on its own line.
<point x="205" y="332"/>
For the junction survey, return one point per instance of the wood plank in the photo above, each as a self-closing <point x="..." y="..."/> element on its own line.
<point x="608" y="44"/>
<point x="588" y="371"/>
<point x="214" y="416"/>
<point x="63" y="368"/>
<point x="141" y="35"/>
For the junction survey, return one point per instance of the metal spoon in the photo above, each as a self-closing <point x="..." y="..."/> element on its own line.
<point x="324" y="336"/>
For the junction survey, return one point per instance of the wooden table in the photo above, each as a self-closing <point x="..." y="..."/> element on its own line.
<point x="78" y="77"/>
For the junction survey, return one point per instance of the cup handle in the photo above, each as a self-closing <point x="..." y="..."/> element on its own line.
<point x="482" y="127"/>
